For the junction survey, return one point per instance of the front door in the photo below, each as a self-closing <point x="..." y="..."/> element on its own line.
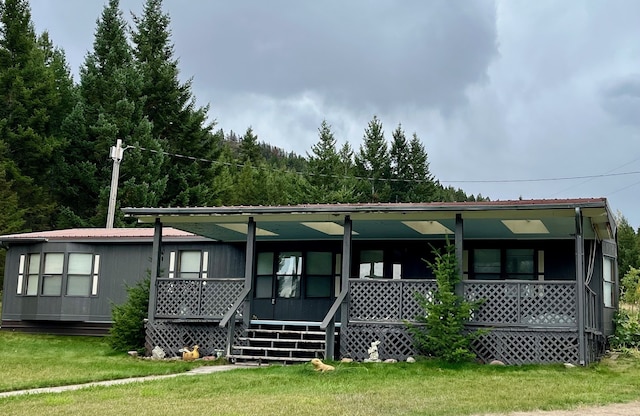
<point x="294" y="285"/>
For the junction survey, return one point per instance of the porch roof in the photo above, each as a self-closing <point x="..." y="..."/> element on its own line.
<point x="515" y="219"/>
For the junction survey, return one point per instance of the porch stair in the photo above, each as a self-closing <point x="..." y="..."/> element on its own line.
<point x="283" y="342"/>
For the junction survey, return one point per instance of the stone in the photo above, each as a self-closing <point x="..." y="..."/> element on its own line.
<point x="411" y="360"/>
<point x="390" y="361"/>
<point x="496" y="362"/>
<point x="133" y="353"/>
<point x="346" y="360"/>
<point x="569" y="365"/>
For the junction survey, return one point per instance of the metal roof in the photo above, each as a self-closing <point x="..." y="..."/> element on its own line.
<point x="100" y="234"/>
<point x="482" y="220"/>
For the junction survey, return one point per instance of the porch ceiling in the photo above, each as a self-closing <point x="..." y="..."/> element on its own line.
<point x="388" y="221"/>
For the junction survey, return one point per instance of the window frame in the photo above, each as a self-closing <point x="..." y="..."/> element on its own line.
<point x="503" y="272"/>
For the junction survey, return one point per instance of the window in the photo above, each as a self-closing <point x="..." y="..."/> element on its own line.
<point x="190" y="264"/>
<point x="288" y="275"/>
<point x="510" y="263"/>
<point x="79" y="277"/>
<point x="486" y="263"/>
<point x="371" y="263"/>
<point x="608" y="282"/>
<point x="319" y="268"/>
<point x="33" y="273"/>
<point x="264" y="276"/>
<point x="519" y="264"/>
<point x="52" y="274"/>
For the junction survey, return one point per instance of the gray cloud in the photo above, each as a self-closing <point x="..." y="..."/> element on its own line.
<point x="504" y="89"/>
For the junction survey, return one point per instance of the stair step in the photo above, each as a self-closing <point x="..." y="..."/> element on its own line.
<point x="269" y="359"/>
<point x="258" y="348"/>
<point x="281" y="331"/>
<point x="284" y="340"/>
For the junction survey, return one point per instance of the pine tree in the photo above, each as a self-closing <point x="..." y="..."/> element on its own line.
<point x="424" y="187"/>
<point x="373" y="163"/>
<point x="401" y="169"/>
<point x="32" y="101"/>
<point x="111" y="108"/>
<point x="177" y="123"/>
<point x="249" y="148"/>
<point x="323" y="167"/>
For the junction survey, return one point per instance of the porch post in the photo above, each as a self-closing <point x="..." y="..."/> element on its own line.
<point x="459" y="250"/>
<point x="345" y="271"/>
<point x="248" y="268"/>
<point x="580" y="290"/>
<point x="156" y="262"/>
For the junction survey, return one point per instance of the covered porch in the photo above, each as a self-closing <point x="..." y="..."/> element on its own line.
<point x="538" y="318"/>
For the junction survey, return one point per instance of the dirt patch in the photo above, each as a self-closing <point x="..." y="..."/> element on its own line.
<point x="618" y="409"/>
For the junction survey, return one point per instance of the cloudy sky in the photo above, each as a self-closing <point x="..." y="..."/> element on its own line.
<point x="513" y="98"/>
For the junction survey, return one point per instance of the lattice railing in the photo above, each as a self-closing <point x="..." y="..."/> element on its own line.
<point x="195" y="298"/>
<point x="533" y="304"/>
<point x="512" y="303"/>
<point x="590" y="309"/>
<point x="386" y="300"/>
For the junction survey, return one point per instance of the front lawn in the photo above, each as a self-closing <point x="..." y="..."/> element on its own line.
<point x="422" y="388"/>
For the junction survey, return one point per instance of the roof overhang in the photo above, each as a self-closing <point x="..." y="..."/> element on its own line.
<point x="535" y="219"/>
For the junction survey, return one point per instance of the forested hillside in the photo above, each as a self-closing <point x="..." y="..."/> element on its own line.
<point x="56" y="134"/>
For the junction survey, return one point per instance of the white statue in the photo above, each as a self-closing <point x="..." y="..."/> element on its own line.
<point x="373" y="353"/>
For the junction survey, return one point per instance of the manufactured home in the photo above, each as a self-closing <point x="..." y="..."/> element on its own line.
<point x="288" y="283"/>
<point x="66" y="281"/>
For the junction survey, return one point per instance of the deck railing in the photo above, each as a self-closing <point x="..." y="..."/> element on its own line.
<point x="209" y="299"/>
<point x="508" y="303"/>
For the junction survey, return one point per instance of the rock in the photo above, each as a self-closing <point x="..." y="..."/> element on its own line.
<point x="569" y="365"/>
<point x="411" y="360"/>
<point x="346" y="360"/>
<point x="390" y="361"/>
<point x="133" y="353"/>
<point x="496" y="362"/>
<point x="369" y="360"/>
<point x="158" y="353"/>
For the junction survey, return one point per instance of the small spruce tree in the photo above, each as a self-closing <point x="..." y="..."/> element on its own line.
<point x="440" y="331"/>
<point x="128" y="332"/>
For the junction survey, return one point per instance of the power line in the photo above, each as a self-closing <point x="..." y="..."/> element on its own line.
<point x="551" y="179"/>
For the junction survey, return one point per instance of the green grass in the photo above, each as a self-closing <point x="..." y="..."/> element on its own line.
<point x="422" y="388"/>
<point x="32" y="361"/>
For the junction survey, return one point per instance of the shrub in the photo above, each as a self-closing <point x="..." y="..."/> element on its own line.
<point x="627" y="331"/>
<point x="128" y="332"/>
<point x="442" y="333"/>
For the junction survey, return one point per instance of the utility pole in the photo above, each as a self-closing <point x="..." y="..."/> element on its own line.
<point x="116" y="154"/>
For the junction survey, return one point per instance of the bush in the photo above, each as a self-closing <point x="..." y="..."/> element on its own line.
<point x="442" y="333"/>
<point x="627" y="331"/>
<point x="128" y="332"/>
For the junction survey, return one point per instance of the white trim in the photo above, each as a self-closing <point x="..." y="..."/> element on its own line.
<point x="20" y="275"/>
<point x="172" y="264"/>
<point x="96" y="269"/>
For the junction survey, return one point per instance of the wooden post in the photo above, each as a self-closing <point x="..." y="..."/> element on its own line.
<point x="580" y="290"/>
<point x="156" y="264"/>
<point x="459" y="245"/>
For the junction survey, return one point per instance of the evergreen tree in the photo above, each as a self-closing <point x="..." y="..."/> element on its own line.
<point x="249" y="148"/>
<point x="424" y="187"/>
<point x="111" y="108"/>
<point x="180" y="126"/>
<point x="373" y="165"/>
<point x="323" y="167"/>
<point x="348" y="191"/>
<point x="30" y="115"/>
<point x="401" y="170"/>
<point x="628" y="247"/>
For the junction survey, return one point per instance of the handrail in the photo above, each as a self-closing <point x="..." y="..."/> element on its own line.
<point x="241" y="297"/>
<point x="334" y="309"/>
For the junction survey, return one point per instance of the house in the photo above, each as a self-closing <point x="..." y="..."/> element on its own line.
<point x="66" y="281"/>
<point x="287" y="283"/>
